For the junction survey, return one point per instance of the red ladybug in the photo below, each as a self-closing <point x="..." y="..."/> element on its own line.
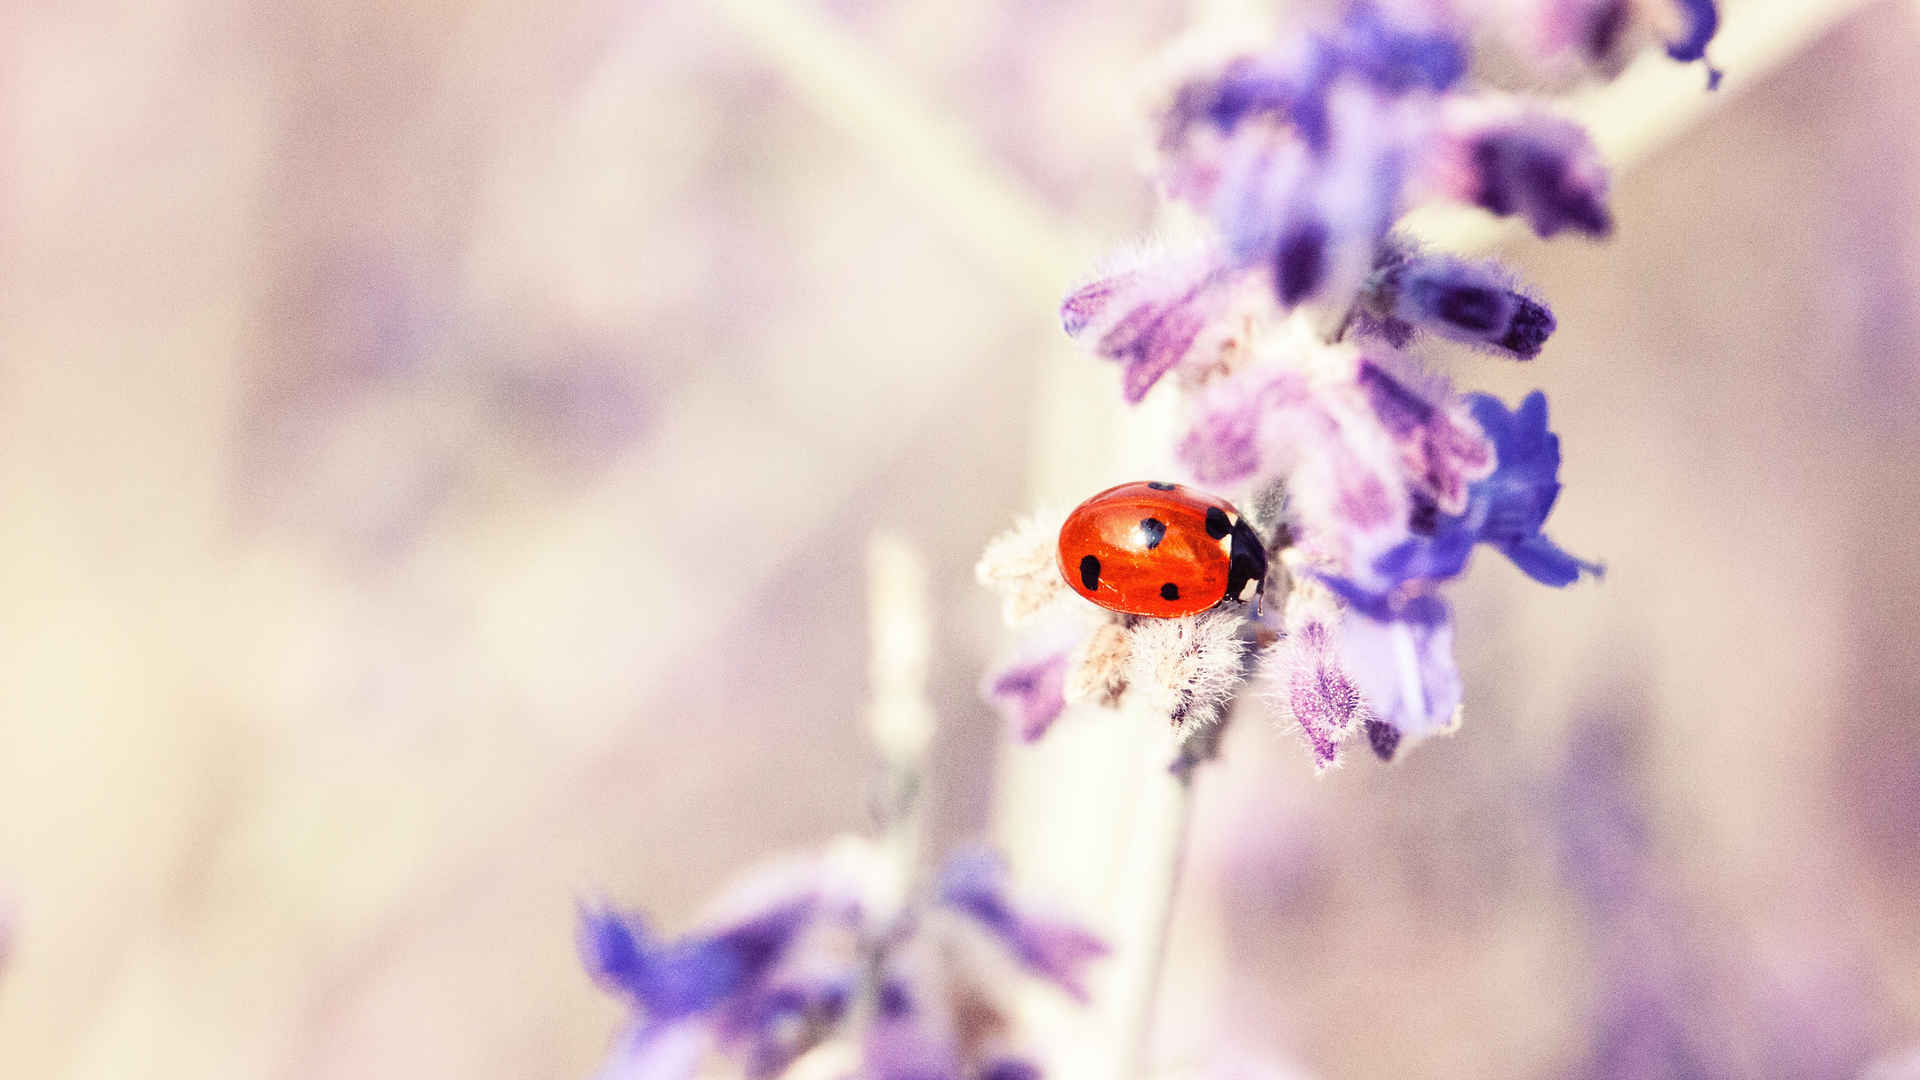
<point x="1161" y="550"/>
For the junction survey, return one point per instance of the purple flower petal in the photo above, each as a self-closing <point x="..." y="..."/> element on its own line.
<point x="1543" y="561"/>
<point x="1523" y="163"/>
<point x="1010" y="1069"/>
<point x="1085" y="303"/>
<point x="1442" y="453"/>
<point x="903" y="1049"/>
<point x="1149" y="323"/>
<point x="1398" y="59"/>
<point x="973" y="883"/>
<point x="1031" y="695"/>
<point x="1506" y="509"/>
<point x="1311" y="219"/>
<point x="776" y="1024"/>
<point x="1405" y="670"/>
<point x="658" y="1052"/>
<point x="1541" y="173"/>
<point x="670" y="980"/>
<point x="1322" y="698"/>
<point x="1365" y="48"/>
<point x="1703" y="21"/>
<point x="1227" y="443"/>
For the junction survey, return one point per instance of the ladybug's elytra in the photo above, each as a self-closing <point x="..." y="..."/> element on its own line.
<point x="1162" y="550"/>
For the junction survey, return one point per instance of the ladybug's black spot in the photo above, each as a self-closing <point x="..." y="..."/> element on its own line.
<point x="1169" y="591"/>
<point x="1152" y="531"/>
<point x="1161" y="485"/>
<point x="1090" y="573"/>
<point x="1217" y="523"/>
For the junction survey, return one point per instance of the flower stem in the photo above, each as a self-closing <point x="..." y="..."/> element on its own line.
<point x="1159" y="853"/>
<point x="899" y="717"/>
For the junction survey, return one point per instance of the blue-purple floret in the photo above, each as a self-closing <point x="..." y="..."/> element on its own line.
<point x="669" y="980"/>
<point x="973" y="883"/>
<point x="1392" y="59"/>
<point x="1464" y="301"/>
<point x="1703" y="21"/>
<point x="1461" y="302"/>
<point x="763" y="1025"/>
<point x="1011" y="1069"/>
<point x="1507" y="509"/>
<point x="1248" y="87"/>
<point x="1521" y="174"/>
<point x="1396" y="60"/>
<point x="1416" y="609"/>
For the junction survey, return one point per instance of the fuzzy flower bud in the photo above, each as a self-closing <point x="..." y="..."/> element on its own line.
<point x="1188" y="668"/>
<point x="1306" y="679"/>
<point x="1472" y="302"/>
<point x="1020" y="565"/>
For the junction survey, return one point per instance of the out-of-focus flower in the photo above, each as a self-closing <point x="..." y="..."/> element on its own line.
<point x="974" y="884"/>
<point x="807" y="953"/>
<point x="1365" y="48"/>
<point x="1031" y="695"/>
<point x="1514" y="159"/>
<point x="1564" y="41"/>
<point x="669" y="980"/>
<point x="1700" y="20"/>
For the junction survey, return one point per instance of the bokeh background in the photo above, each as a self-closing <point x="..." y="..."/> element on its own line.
<point x="438" y="447"/>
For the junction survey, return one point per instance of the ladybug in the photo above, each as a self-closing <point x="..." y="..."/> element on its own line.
<point x="1162" y="550"/>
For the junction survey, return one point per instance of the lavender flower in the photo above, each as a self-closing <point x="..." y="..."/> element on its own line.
<point x="1400" y="655"/>
<point x="1441" y="450"/>
<point x="1300" y="158"/>
<point x="1506" y="509"/>
<point x="1702" y="21"/>
<point x="1513" y="160"/>
<point x="1151" y="320"/>
<point x="1472" y="302"/>
<point x="779" y="975"/>
<point x="1365" y="47"/>
<point x="1031" y="695"/>
<point x="1311" y="683"/>
<point x="1565" y="41"/>
<point x="670" y="980"/>
<point x="974" y="884"/>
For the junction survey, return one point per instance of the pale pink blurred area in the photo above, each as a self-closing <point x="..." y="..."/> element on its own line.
<point x="440" y="443"/>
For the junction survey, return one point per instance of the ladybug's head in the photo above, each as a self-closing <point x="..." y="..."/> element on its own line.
<point x="1247" y="572"/>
